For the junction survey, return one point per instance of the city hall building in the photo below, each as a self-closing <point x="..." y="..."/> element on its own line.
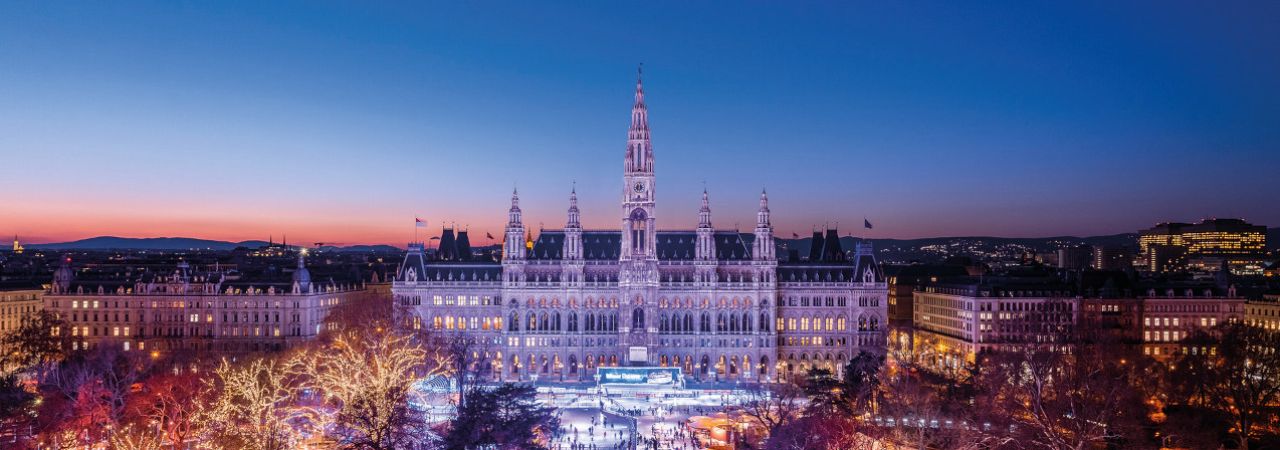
<point x="717" y="304"/>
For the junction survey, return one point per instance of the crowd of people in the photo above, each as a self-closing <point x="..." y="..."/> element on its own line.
<point x="616" y="425"/>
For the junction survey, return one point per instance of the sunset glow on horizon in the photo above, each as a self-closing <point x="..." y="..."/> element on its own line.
<point x="244" y="122"/>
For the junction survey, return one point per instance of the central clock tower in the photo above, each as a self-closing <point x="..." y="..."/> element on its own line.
<point x="638" y="258"/>
<point x="638" y="237"/>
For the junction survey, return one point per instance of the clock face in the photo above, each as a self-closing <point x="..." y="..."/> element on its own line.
<point x="639" y="187"/>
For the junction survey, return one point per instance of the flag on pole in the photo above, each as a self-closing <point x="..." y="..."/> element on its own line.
<point x="419" y="222"/>
<point x="866" y="223"/>
<point x="794" y="235"/>
<point x="489" y="235"/>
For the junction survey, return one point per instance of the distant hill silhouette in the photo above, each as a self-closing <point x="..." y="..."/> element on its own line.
<point x="802" y="244"/>
<point x="178" y="243"/>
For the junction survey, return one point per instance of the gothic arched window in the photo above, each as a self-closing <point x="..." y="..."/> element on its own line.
<point x="638" y="224"/>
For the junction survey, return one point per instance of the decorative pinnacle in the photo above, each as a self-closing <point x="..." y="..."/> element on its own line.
<point x="640" y="84"/>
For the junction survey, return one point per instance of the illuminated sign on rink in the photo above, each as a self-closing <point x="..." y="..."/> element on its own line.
<point x="653" y="376"/>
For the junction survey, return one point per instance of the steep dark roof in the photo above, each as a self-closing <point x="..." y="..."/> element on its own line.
<point x="413" y="259"/>
<point x="862" y="268"/>
<point x="463" y="246"/>
<point x="464" y="271"/>
<point x="670" y="245"/>
<point x="448" y="248"/>
<point x="810" y="272"/>
<point x="831" y="249"/>
<point x="865" y="267"/>
<point x="815" y="246"/>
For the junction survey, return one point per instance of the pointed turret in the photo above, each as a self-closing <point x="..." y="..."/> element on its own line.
<point x="704" y="214"/>
<point x="705" y="250"/>
<point x="573" y="229"/>
<point x="762" y="216"/>
<point x="764" y="249"/>
<point x="514" y="248"/>
<point x="574" y="220"/>
<point x="513" y="214"/>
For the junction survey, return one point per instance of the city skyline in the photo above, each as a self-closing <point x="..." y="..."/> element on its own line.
<point x="274" y="119"/>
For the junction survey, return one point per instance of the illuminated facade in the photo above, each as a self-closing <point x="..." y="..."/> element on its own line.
<point x="716" y="303"/>
<point x="1264" y="313"/>
<point x="17" y="246"/>
<point x="1112" y="257"/>
<point x="956" y="321"/>
<point x="1170" y="314"/>
<point x="186" y="311"/>
<point x="15" y="305"/>
<point x="1207" y="245"/>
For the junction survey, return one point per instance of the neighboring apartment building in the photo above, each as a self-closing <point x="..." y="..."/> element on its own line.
<point x="955" y="320"/>
<point x="16" y="303"/>
<point x="188" y="311"/>
<point x="1170" y="314"/>
<point x="1264" y="313"/>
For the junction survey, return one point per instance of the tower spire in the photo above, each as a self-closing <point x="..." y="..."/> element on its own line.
<point x="574" y="217"/>
<point x="513" y="215"/>
<point x="704" y="214"/>
<point x="763" y="246"/>
<point x="514" y="246"/>
<point x="639" y="149"/>
<point x="762" y="216"/>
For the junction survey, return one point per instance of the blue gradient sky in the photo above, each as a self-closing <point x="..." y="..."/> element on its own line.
<point x="342" y="121"/>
